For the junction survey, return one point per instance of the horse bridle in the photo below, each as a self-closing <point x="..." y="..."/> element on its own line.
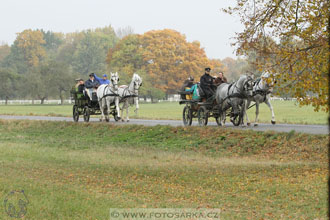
<point x="113" y="93"/>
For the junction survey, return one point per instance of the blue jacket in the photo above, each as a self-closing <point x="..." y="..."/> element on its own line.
<point x="101" y="80"/>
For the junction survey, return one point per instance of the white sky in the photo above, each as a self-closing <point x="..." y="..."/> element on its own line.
<point x="199" y="20"/>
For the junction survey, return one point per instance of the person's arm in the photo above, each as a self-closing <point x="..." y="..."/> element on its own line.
<point x="97" y="78"/>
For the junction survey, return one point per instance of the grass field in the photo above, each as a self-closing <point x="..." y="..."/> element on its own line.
<point x="79" y="171"/>
<point x="285" y="112"/>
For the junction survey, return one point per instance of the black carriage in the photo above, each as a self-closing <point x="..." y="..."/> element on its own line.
<point x="203" y="109"/>
<point x="82" y="105"/>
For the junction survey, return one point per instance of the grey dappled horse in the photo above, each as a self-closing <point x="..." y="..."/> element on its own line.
<point x="233" y="95"/>
<point x="129" y="95"/>
<point x="108" y="94"/>
<point x="261" y="93"/>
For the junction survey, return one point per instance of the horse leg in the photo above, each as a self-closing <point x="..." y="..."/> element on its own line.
<point x="107" y="102"/>
<point x="127" y="118"/>
<point x="136" y="105"/>
<point x="271" y="109"/>
<point x="257" y="114"/>
<point x="248" y="123"/>
<point x="122" y="111"/>
<point x="101" y="108"/>
<point x="243" y="112"/>
<point x="117" y="107"/>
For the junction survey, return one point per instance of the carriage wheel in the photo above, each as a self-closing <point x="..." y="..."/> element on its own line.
<point x="86" y="114"/>
<point x="237" y="119"/>
<point x="202" y="116"/>
<point x="75" y="113"/>
<point x="187" y="116"/>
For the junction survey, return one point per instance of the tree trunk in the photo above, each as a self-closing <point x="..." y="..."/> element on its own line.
<point x="6" y="102"/>
<point x="61" y="97"/>
<point x="32" y="101"/>
<point x="42" y="100"/>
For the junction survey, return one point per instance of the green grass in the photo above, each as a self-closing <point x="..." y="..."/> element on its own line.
<point x="79" y="171"/>
<point x="285" y="112"/>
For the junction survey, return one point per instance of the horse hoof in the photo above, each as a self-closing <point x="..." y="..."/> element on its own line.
<point x="255" y="125"/>
<point x="248" y="124"/>
<point x="273" y="122"/>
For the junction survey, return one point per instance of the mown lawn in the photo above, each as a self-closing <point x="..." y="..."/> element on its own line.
<point x="285" y="112"/>
<point x="80" y="171"/>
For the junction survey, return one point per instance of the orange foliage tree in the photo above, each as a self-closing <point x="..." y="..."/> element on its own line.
<point x="30" y="43"/>
<point x="165" y="56"/>
<point x="291" y="40"/>
<point x="169" y="59"/>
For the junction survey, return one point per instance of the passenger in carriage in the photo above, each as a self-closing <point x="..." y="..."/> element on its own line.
<point x="187" y="83"/>
<point x="220" y="79"/>
<point x="91" y="85"/>
<point x="207" y="83"/>
<point x="103" y="80"/>
<point x="79" y="88"/>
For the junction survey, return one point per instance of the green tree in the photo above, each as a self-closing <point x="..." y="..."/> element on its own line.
<point x="92" y="50"/>
<point x="4" y="51"/>
<point x="7" y="84"/>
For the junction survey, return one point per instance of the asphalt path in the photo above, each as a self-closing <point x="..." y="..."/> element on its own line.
<point x="309" y="129"/>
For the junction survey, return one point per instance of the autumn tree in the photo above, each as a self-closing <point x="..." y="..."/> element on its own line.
<point x="126" y="57"/>
<point x="31" y="44"/>
<point x="299" y="50"/>
<point x="169" y="59"/>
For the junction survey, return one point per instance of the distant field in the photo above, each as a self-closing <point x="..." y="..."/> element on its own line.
<point x="285" y="112"/>
<point x="79" y="171"/>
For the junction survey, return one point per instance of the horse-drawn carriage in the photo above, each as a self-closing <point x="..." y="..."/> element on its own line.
<point x="105" y="101"/>
<point x="82" y="105"/>
<point x="228" y="101"/>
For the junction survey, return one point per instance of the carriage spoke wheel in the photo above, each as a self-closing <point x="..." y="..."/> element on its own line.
<point x="75" y="113"/>
<point x="86" y="114"/>
<point x="202" y="116"/>
<point x="187" y="116"/>
<point x="237" y="119"/>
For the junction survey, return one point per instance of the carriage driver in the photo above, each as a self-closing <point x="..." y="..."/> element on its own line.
<point x="91" y="84"/>
<point x="207" y="83"/>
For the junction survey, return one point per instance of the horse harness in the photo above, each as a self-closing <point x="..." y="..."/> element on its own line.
<point x="259" y="91"/>
<point x="113" y="93"/>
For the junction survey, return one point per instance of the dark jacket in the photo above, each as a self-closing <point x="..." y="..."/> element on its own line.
<point x="206" y="81"/>
<point x="89" y="84"/>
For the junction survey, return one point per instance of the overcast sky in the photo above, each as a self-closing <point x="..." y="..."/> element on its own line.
<point x="200" y="20"/>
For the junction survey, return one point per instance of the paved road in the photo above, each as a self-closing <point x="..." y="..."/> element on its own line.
<point x="310" y="129"/>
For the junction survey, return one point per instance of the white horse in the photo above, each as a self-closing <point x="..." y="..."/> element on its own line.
<point x="261" y="93"/>
<point x="129" y="95"/>
<point x="108" y="94"/>
<point x="233" y="95"/>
